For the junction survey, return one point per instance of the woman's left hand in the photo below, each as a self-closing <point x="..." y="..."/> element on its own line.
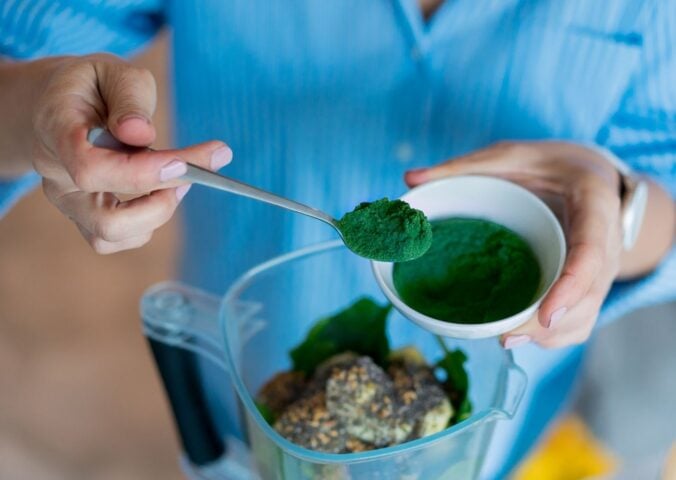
<point x="583" y="189"/>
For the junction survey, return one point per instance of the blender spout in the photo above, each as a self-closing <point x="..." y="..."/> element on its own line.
<point x="180" y="316"/>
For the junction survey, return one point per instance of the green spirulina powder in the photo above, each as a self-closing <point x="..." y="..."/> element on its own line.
<point x="476" y="271"/>
<point x="386" y="230"/>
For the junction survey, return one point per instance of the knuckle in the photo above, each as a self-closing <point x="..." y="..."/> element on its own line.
<point x="581" y="336"/>
<point x="165" y="215"/>
<point x="584" y="330"/>
<point x="77" y="67"/>
<point x="514" y="149"/>
<point x="592" y="254"/>
<point x="83" y="177"/>
<point x="570" y="282"/>
<point x="107" y="228"/>
<point x="130" y="79"/>
<point x="40" y="118"/>
<point x="146" y="76"/>
<point x="592" y="251"/>
<point x="101" y="246"/>
<point x="41" y="164"/>
<point x="51" y="190"/>
<point x="103" y="57"/>
<point x="143" y="240"/>
<point x="70" y="73"/>
<point x="47" y="116"/>
<point x="169" y="205"/>
<point x="139" y="182"/>
<point x="587" y="182"/>
<point x="550" y="340"/>
<point x="555" y="341"/>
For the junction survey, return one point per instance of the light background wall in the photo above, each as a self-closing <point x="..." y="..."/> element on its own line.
<point x="79" y="397"/>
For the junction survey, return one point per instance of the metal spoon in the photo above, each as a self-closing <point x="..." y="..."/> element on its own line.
<point x="102" y="138"/>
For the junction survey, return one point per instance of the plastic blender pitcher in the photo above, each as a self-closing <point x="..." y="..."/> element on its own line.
<point x="249" y="333"/>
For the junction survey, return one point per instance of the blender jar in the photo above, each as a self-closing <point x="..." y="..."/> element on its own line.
<point x="249" y="334"/>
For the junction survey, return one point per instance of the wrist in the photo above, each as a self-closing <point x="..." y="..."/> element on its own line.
<point x="656" y="237"/>
<point x="633" y="192"/>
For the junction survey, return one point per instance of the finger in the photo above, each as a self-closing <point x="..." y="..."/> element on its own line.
<point x="64" y="125"/>
<point x="47" y="167"/>
<point x="134" y="171"/>
<point x="523" y="335"/>
<point x="593" y="215"/>
<point x="130" y="95"/>
<point x="106" y="218"/>
<point x="501" y="159"/>
<point x="103" y="247"/>
<point x="574" y="328"/>
<point x="533" y="332"/>
<point x="588" y="307"/>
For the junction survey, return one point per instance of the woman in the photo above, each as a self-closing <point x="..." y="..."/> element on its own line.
<point x="335" y="103"/>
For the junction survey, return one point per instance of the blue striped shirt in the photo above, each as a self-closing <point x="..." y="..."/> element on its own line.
<point x="330" y="102"/>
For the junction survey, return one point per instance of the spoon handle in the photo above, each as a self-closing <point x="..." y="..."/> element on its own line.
<point x="102" y="138"/>
<point x="208" y="178"/>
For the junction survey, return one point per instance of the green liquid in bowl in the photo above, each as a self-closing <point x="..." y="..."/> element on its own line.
<point x="476" y="271"/>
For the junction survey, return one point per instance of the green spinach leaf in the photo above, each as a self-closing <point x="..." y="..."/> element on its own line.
<point x="360" y="328"/>
<point x="457" y="382"/>
<point x="265" y="412"/>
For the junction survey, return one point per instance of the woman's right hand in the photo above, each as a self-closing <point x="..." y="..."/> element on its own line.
<point x="81" y="180"/>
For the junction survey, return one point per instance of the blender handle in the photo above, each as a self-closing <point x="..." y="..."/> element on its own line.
<point x="180" y="325"/>
<point x="517" y="381"/>
<point x="178" y="370"/>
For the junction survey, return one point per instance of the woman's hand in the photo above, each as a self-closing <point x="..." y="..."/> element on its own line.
<point x="80" y="93"/>
<point x="583" y="189"/>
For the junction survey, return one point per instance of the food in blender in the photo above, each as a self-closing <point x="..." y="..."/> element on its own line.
<point x="354" y="400"/>
<point x="282" y="390"/>
<point x="476" y="271"/>
<point x="386" y="230"/>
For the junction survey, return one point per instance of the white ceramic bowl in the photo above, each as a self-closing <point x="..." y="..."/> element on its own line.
<point x="492" y="199"/>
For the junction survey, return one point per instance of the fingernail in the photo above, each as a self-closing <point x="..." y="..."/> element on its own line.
<point x="221" y="157"/>
<point x="556" y="317"/>
<point x="133" y="116"/>
<point x="173" y="169"/>
<point x="516" y="341"/>
<point x="182" y="190"/>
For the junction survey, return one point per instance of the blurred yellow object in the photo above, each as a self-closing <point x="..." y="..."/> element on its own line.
<point x="570" y="452"/>
<point x="669" y="472"/>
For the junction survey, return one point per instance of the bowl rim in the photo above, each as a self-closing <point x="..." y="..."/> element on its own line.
<point x="475" y="330"/>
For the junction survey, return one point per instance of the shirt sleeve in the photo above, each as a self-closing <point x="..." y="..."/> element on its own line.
<point x="33" y="29"/>
<point x="643" y="133"/>
<point x="12" y="190"/>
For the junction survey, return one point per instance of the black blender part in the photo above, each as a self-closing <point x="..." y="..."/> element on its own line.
<point x="179" y="372"/>
<point x="179" y="369"/>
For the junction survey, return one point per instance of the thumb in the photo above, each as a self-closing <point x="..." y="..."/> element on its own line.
<point x="131" y="96"/>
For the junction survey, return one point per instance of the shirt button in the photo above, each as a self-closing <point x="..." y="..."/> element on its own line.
<point x="404" y="152"/>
